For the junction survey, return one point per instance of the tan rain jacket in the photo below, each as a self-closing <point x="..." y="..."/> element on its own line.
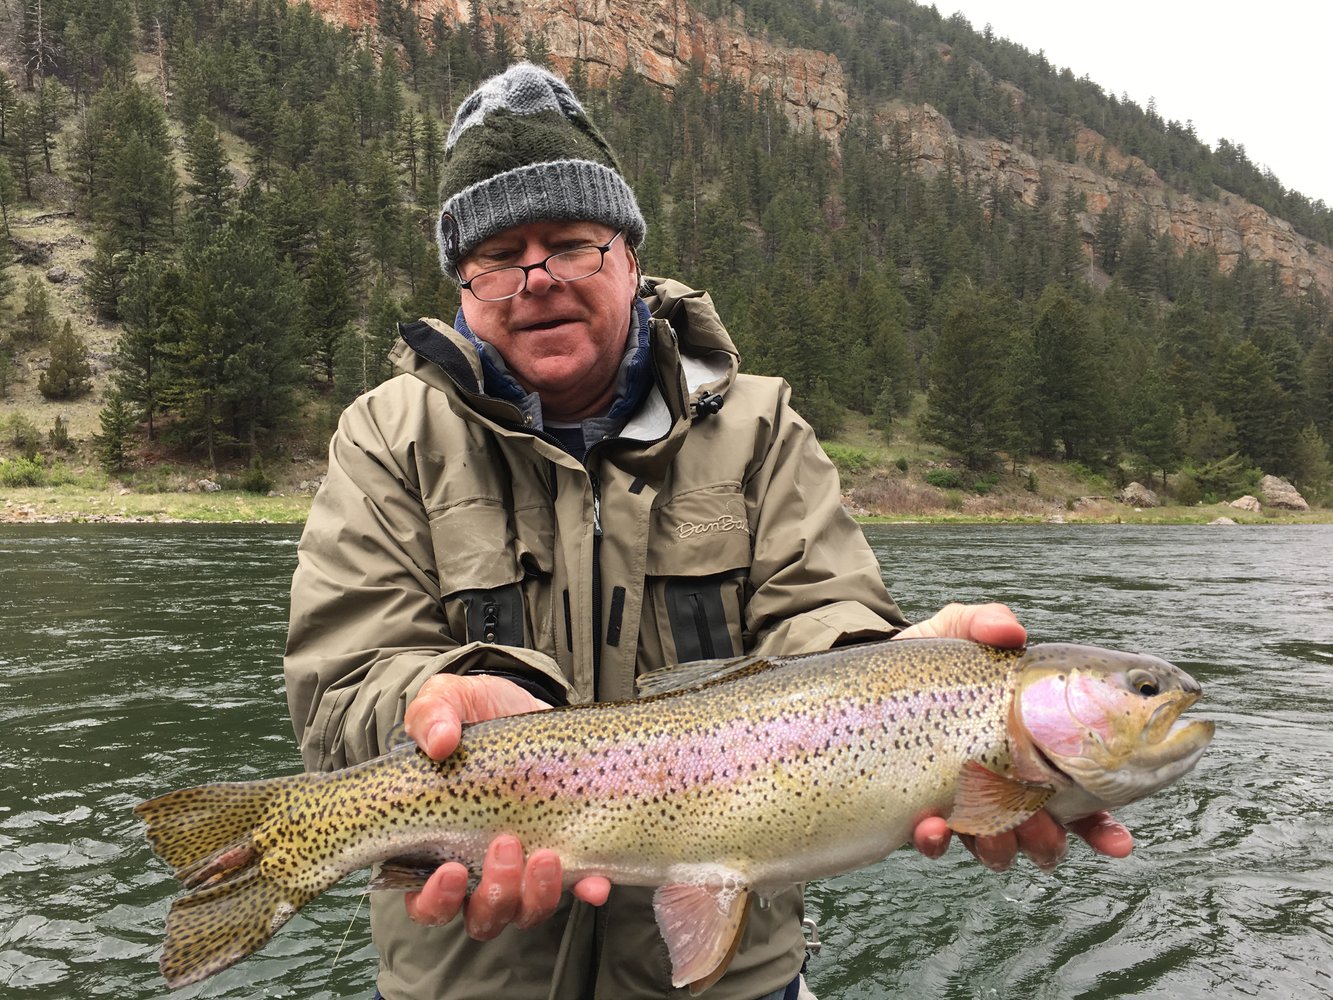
<point x="447" y="537"/>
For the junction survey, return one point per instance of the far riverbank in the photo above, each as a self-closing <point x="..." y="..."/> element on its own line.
<point x="117" y="504"/>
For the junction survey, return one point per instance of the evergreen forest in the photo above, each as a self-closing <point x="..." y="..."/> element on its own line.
<point x="257" y="190"/>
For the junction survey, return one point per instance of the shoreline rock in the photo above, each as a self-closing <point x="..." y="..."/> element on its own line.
<point x="1281" y="494"/>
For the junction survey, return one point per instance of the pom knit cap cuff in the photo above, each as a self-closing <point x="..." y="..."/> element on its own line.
<point x="557" y="191"/>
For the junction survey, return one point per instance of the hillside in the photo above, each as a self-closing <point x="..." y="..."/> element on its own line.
<point x="879" y="200"/>
<point x="664" y="42"/>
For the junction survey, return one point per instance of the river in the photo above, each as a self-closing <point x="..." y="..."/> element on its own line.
<point x="137" y="659"/>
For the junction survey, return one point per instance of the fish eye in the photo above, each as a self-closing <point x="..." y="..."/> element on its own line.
<point x="1144" y="683"/>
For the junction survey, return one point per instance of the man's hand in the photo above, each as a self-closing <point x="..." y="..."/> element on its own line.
<point x="1040" y="837"/>
<point x="510" y="891"/>
<point x="993" y="624"/>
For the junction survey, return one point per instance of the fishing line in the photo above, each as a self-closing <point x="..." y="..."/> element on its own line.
<point x="338" y="954"/>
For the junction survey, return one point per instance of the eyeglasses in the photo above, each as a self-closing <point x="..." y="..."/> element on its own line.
<point x="503" y="283"/>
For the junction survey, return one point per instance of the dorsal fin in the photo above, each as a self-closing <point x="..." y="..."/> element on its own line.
<point x="682" y="676"/>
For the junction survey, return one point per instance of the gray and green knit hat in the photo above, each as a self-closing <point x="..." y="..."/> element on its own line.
<point x="522" y="150"/>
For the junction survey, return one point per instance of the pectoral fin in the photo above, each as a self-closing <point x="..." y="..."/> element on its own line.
<point x="411" y="872"/>
<point x="403" y="875"/>
<point x="702" y="924"/>
<point x="987" y="803"/>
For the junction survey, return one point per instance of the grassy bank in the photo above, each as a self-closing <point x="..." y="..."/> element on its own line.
<point x="112" y="502"/>
<point x="74" y="503"/>
<point x="902" y="478"/>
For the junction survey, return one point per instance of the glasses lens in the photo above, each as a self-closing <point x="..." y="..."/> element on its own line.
<point x="498" y="284"/>
<point x="575" y="264"/>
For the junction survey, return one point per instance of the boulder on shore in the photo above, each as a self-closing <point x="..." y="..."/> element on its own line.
<point x="1280" y="493"/>
<point x="1138" y="495"/>
<point x="1249" y="503"/>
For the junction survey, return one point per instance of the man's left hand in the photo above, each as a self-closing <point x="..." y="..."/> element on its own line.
<point x="1040" y="837"/>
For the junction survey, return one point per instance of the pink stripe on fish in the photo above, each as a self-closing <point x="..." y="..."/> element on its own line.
<point x="727" y="755"/>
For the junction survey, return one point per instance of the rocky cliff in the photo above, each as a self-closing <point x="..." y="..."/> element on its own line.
<point x="1230" y="226"/>
<point x="663" y="40"/>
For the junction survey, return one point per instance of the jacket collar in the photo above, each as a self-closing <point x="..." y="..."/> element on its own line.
<point x="685" y="342"/>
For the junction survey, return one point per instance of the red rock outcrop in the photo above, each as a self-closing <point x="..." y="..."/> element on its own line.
<point x="662" y="40"/>
<point x="1229" y="226"/>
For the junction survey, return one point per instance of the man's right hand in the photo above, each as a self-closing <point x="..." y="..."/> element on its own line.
<point x="510" y="891"/>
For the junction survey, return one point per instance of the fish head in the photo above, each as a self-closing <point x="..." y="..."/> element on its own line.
<point x="1103" y="727"/>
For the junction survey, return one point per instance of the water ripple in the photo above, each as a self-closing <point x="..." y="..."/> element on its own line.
<point x="133" y="661"/>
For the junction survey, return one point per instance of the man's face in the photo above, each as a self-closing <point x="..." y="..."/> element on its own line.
<point x="561" y="339"/>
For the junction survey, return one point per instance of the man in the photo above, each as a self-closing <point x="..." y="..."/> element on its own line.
<point x="571" y="486"/>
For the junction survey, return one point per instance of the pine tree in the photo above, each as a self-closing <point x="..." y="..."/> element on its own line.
<point x="9" y="193"/>
<point x="59" y="436"/>
<point x="7" y="280"/>
<point x="211" y="190"/>
<point x="1153" y="419"/>
<point x="139" y="202"/>
<point x="967" y="404"/>
<point x="35" y="322"/>
<point x="879" y="311"/>
<point x="69" y="374"/>
<point x="363" y="356"/>
<point x="145" y="304"/>
<point x="407" y="146"/>
<point x="1110" y="236"/>
<point x="237" y="362"/>
<point x="7" y="370"/>
<point x="1139" y="262"/>
<point x="53" y="103"/>
<point x="383" y="215"/>
<point x="389" y="97"/>
<point x="121" y="161"/>
<point x="24" y="144"/>
<point x="9" y="99"/>
<point x="1311" y="470"/>
<point x="1205" y="435"/>
<point x="113" y="444"/>
<point x="1068" y="400"/>
<point x="1319" y="385"/>
<point x="431" y="158"/>
<point x="1261" y="410"/>
<point x="106" y="274"/>
<point x="327" y="309"/>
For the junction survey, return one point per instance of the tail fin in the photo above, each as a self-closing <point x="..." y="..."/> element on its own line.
<point x="231" y="907"/>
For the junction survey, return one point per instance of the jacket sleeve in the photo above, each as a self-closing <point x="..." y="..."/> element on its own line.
<point x="816" y="581"/>
<point x="367" y="627"/>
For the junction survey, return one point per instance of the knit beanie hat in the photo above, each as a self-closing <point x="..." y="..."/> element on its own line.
<point x="522" y="150"/>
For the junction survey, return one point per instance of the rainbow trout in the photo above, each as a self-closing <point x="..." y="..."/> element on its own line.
<point x="756" y="776"/>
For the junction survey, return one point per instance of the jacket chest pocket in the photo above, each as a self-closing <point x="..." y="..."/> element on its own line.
<point x="495" y="570"/>
<point x="698" y="576"/>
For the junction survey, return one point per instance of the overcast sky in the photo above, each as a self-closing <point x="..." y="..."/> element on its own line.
<point x="1258" y="74"/>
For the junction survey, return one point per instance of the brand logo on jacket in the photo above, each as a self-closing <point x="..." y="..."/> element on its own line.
<point x="727" y="522"/>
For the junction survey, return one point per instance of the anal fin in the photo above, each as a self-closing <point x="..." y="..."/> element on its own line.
<point x="987" y="803"/>
<point x="702" y="923"/>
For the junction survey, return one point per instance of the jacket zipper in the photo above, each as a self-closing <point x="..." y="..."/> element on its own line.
<point x="596" y="581"/>
<point x="701" y="626"/>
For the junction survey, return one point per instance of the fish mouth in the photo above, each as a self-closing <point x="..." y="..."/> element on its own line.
<point x="1189" y="735"/>
<point x="1169" y="733"/>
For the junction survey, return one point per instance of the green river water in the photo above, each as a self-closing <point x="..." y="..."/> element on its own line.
<point x="138" y="659"/>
